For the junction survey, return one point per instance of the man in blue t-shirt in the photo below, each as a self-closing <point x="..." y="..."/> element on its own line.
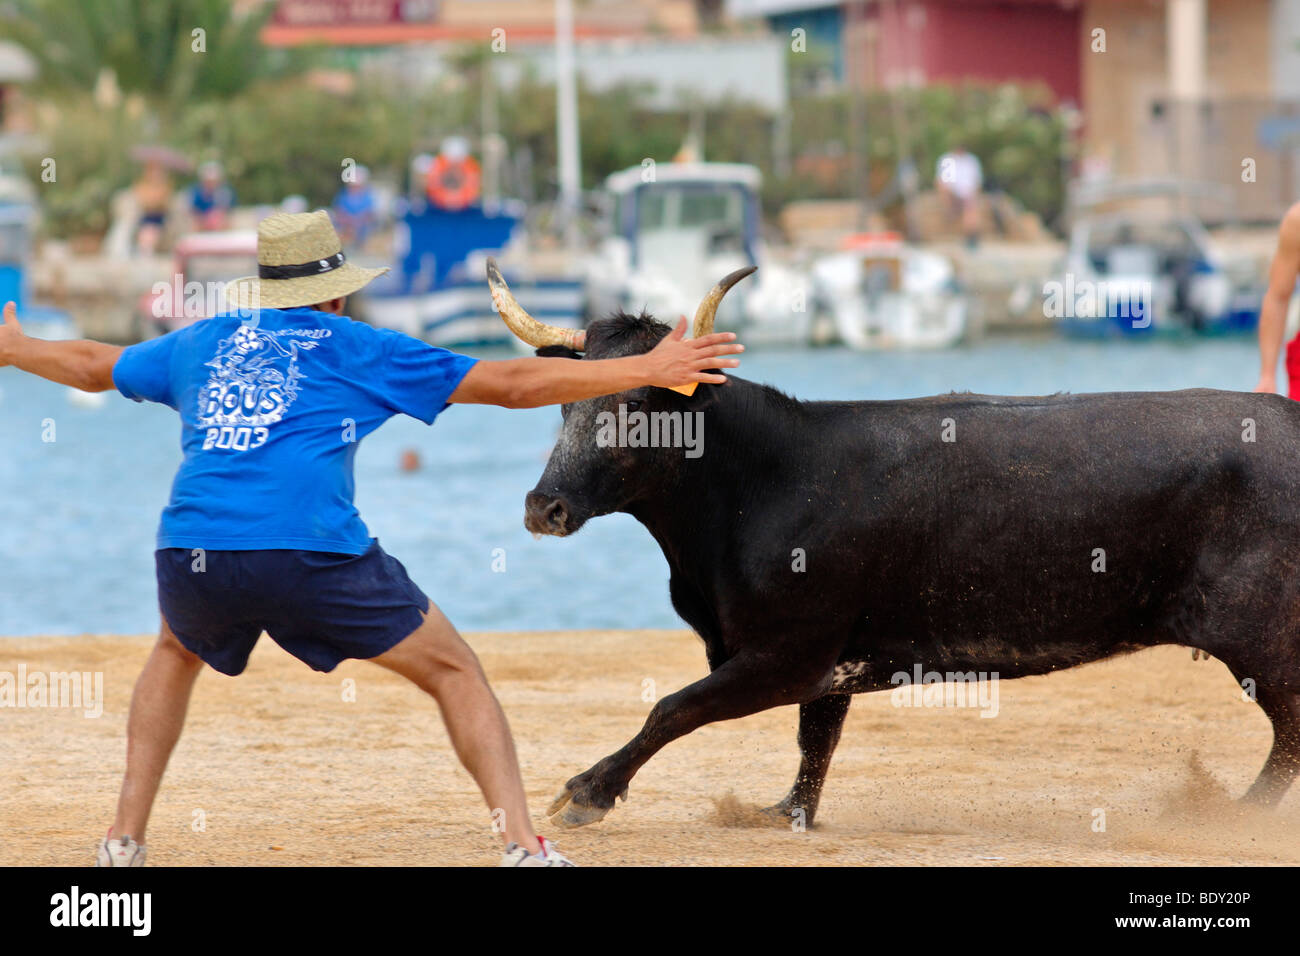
<point x="211" y="198"/>
<point x="261" y="534"/>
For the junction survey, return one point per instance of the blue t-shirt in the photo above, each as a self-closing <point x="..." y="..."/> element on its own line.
<point x="272" y="409"/>
<point x="201" y="201"/>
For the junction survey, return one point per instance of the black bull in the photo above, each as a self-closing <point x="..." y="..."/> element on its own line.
<point x="962" y="532"/>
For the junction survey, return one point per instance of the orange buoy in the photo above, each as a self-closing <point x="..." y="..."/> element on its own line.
<point x="454" y="183"/>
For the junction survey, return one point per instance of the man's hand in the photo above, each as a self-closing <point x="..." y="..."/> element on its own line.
<point x="530" y="382"/>
<point x="11" y="334"/>
<point x="677" y="360"/>
<point x="82" y="364"/>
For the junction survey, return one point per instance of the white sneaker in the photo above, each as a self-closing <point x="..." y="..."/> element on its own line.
<point x="114" y="852"/>
<point x="516" y="855"/>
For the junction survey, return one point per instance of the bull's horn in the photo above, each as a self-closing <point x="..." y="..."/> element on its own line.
<point x="536" y="334"/>
<point x="708" y="309"/>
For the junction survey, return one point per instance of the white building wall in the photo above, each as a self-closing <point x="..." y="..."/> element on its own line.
<point x="678" y="72"/>
<point x="1286" y="49"/>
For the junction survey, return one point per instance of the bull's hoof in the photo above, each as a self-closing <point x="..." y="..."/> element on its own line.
<point x="568" y="812"/>
<point x="1263" y="799"/>
<point x="783" y="815"/>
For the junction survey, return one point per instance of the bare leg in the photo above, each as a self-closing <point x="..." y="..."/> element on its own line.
<point x="439" y="662"/>
<point x="158" y="705"/>
<point x="970" y="218"/>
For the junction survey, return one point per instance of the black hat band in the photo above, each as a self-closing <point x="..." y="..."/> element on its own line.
<point x="314" y="268"/>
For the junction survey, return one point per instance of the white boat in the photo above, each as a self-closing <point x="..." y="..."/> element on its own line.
<point x="671" y="230"/>
<point x="459" y="311"/>
<point x="882" y="293"/>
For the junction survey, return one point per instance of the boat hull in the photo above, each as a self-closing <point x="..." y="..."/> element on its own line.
<point x="460" y="314"/>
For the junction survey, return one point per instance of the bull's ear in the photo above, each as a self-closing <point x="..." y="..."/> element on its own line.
<point x="557" y="351"/>
<point x="702" y="398"/>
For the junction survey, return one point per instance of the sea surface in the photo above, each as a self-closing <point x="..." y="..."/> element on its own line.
<point x="78" y="514"/>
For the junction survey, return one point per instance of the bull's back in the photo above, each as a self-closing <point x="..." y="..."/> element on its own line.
<point x="1034" y="533"/>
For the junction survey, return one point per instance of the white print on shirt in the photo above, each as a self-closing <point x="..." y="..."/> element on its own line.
<point x="254" y="381"/>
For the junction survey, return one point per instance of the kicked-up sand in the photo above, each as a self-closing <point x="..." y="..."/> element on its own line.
<point x="1135" y="760"/>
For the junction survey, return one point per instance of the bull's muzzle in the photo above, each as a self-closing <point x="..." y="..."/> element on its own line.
<point x="548" y="514"/>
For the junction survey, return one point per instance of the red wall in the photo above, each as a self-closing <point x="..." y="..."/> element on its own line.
<point x="983" y="40"/>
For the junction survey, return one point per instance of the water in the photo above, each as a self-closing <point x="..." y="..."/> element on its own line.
<point x="78" y="515"/>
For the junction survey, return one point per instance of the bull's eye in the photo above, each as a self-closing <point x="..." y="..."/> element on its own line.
<point x="633" y="405"/>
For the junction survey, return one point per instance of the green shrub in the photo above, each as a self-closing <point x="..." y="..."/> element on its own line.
<point x="281" y="136"/>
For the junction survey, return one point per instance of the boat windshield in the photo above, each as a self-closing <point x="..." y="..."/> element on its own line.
<point x="1120" y="246"/>
<point x="676" y="220"/>
<point x="690" y="206"/>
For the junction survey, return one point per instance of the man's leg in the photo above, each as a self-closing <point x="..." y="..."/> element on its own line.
<point x="438" y="661"/>
<point x="970" y="219"/>
<point x="158" y="705"/>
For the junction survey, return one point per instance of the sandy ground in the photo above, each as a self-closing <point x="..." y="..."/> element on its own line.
<point x="278" y="768"/>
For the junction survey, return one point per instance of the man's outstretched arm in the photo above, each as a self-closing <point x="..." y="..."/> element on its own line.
<point x="82" y="364"/>
<point x="530" y="382"/>
<point x="1281" y="283"/>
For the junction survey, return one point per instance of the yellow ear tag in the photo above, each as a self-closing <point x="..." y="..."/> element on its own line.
<point x="687" y="390"/>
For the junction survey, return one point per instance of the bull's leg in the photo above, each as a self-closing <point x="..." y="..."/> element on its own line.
<point x="820" y="722"/>
<point x="1283" y="763"/>
<point x="740" y="687"/>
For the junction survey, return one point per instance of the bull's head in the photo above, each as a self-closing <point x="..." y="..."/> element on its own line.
<point x="586" y="477"/>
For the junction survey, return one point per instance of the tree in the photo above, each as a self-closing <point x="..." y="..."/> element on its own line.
<point x="171" y="53"/>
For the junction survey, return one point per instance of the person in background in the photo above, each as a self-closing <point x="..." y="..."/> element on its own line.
<point x="1272" y="313"/>
<point x="211" y="199"/>
<point x="153" y="196"/>
<point x="959" y="176"/>
<point x="355" y="209"/>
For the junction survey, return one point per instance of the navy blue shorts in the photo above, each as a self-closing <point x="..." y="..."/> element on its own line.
<point x="320" y="607"/>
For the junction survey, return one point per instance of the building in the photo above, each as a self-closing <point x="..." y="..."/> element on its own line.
<point x="1204" y="90"/>
<point x="917" y="42"/>
<point x="656" y="44"/>
<point x="874" y="44"/>
<point x="377" y="23"/>
<point x="1192" y="89"/>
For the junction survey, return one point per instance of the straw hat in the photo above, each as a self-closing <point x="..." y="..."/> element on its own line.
<point x="300" y="261"/>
